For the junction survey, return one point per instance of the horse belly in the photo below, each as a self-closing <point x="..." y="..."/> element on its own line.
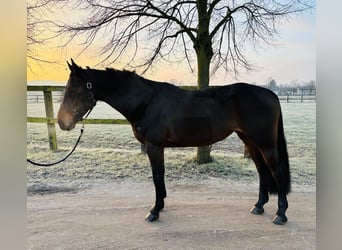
<point x="195" y="131"/>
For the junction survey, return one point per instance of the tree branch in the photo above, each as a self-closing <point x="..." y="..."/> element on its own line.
<point x="120" y="26"/>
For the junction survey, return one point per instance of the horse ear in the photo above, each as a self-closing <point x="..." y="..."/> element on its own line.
<point x="73" y="63"/>
<point x="73" y="67"/>
<point x="70" y="67"/>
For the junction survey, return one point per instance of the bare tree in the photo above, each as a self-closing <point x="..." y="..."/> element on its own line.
<point x="214" y="32"/>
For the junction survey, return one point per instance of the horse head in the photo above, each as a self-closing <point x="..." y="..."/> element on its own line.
<point x="78" y="98"/>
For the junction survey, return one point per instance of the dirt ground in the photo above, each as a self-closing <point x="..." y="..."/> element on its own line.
<point x="209" y="215"/>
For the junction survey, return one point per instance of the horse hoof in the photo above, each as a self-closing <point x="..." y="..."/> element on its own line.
<point x="151" y="217"/>
<point x="279" y="220"/>
<point x="257" y="210"/>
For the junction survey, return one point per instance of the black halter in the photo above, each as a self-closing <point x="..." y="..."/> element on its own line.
<point x="91" y="98"/>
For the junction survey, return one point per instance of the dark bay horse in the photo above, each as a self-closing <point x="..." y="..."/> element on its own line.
<point x="163" y="115"/>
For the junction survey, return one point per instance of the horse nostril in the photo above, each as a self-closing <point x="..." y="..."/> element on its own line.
<point x="61" y="124"/>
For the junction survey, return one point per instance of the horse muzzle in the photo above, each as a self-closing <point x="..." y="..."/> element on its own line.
<point x="66" y="120"/>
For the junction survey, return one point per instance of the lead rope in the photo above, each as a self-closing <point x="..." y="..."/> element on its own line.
<point x="67" y="156"/>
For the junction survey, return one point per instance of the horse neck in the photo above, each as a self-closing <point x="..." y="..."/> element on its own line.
<point x="127" y="93"/>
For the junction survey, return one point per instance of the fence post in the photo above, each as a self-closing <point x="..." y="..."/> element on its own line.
<point x="49" y="114"/>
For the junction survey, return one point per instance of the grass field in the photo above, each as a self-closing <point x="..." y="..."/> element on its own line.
<point x="110" y="152"/>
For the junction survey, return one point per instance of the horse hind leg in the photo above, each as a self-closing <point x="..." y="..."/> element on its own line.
<point x="265" y="181"/>
<point x="265" y="177"/>
<point x="280" y="174"/>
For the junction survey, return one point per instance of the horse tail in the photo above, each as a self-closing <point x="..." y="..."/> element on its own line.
<point x="283" y="156"/>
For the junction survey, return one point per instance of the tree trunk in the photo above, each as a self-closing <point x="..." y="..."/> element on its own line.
<point x="204" y="53"/>
<point x="203" y="64"/>
<point x="203" y="153"/>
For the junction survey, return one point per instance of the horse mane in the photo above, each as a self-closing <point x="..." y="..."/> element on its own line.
<point x="126" y="74"/>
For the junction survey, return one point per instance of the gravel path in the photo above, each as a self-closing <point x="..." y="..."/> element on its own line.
<point x="209" y="215"/>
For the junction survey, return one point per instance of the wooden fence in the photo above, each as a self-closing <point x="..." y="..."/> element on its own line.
<point x="50" y="120"/>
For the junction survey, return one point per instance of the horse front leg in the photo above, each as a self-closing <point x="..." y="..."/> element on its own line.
<point x="156" y="157"/>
